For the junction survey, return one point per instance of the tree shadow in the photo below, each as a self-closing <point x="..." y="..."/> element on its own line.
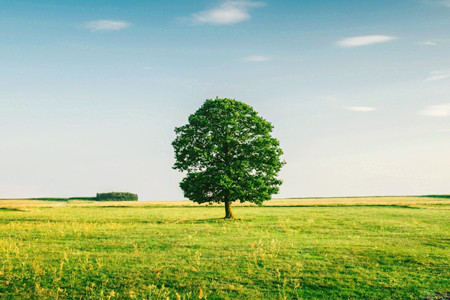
<point x="10" y="209"/>
<point x="203" y="221"/>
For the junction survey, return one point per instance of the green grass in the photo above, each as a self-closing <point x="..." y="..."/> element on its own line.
<point x="151" y="252"/>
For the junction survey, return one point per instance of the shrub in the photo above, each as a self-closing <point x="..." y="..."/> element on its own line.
<point x="116" y="196"/>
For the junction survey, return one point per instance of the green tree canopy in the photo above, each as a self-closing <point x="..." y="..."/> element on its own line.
<point x="229" y="155"/>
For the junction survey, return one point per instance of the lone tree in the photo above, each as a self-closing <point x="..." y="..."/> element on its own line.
<point x="228" y="154"/>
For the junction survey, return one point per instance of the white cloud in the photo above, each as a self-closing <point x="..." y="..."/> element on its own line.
<point x="256" y="58"/>
<point x="429" y="43"/>
<point x="229" y="12"/>
<point x="445" y="130"/>
<point x="364" y="40"/>
<point x="361" y="108"/>
<point x="441" y="110"/>
<point x="439" y="2"/>
<point x="106" y="25"/>
<point x="438" y="75"/>
<point x="435" y="42"/>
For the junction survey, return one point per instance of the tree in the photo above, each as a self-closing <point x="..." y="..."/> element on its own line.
<point x="228" y="154"/>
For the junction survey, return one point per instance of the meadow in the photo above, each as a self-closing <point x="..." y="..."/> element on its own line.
<point x="335" y="248"/>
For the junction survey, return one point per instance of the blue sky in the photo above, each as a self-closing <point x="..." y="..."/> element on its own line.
<point x="90" y="92"/>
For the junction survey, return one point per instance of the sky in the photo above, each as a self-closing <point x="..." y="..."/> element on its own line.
<point x="91" y="91"/>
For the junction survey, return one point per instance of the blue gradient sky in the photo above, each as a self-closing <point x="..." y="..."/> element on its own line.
<point x="90" y="91"/>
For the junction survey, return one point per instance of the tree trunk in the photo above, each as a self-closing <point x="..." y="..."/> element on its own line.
<point x="228" y="212"/>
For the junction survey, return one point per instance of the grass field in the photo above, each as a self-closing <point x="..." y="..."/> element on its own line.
<point x="357" y="248"/>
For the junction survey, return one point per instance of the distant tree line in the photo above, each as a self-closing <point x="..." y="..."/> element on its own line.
<point x="437" y="196"/>
<point x="116" y="196"/>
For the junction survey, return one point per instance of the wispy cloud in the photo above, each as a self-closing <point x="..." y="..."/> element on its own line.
<point x="445" y="3"/>
<point x="364" y="40"/>
<point x="441" y="110"/>
<point x="256" y="58"/>
<point x="429" y="43"/>
<point x="105" y="25"/>
<point x="438" y="75"/>
<point x="229" y="12"/>
<point x="435" y="42"/>
<point x="361" y="108"/>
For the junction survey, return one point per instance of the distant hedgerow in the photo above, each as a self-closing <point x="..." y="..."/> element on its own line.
<point x="437" y="196"/>
<point x="116" y="196"/>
